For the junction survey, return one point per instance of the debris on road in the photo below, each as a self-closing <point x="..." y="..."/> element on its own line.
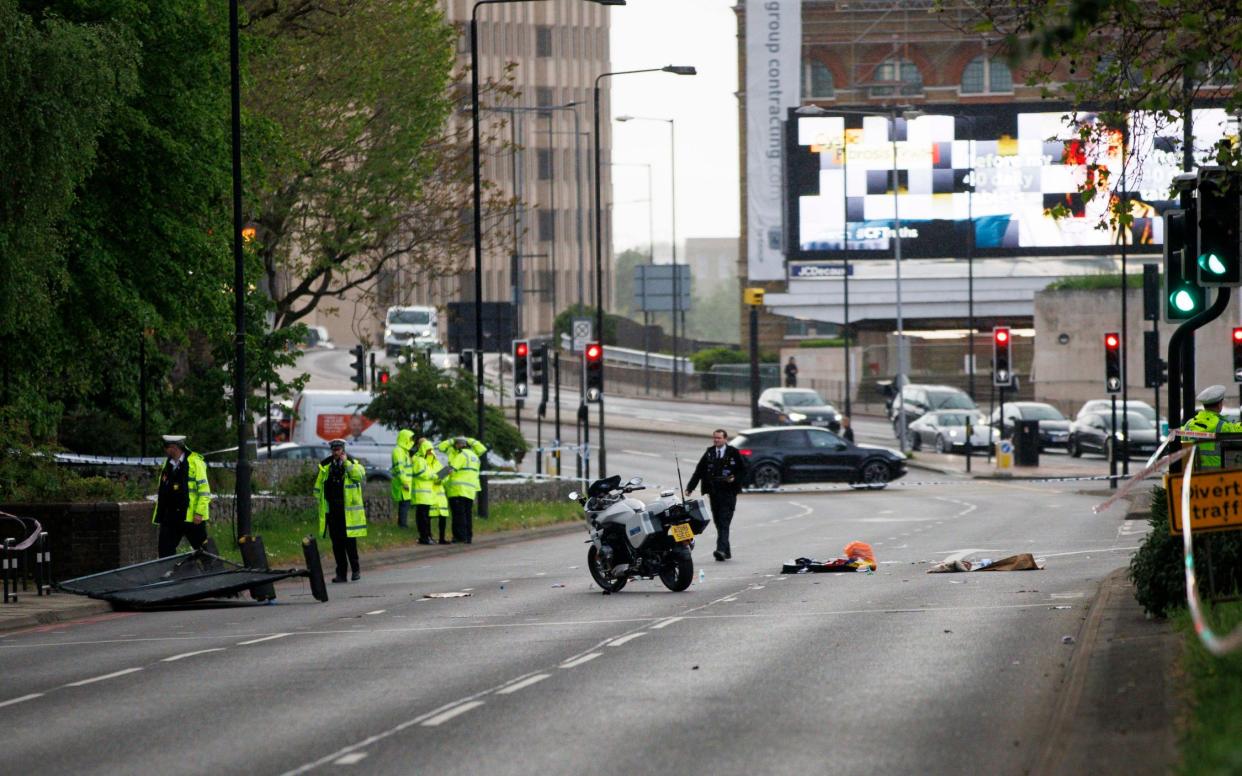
<point x="858" y="557"/>
<point x="1021" y="562"/>
<point x="559" y="584"/>
<point x="1064" y="606"/>
<point x="448" y="595"/>
<point x="1067" y="639"/>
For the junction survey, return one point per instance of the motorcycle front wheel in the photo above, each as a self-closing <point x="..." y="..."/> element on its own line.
<point x="678" y="571"/>
<point x="601" y="577"/>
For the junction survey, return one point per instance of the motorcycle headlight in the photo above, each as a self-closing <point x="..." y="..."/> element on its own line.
<point x="797" y="417"/>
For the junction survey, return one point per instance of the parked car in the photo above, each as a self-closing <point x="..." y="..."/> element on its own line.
<point x="945" y="431"/>
<point x="1093" y="433"/>
<point x="917" y="400"/>
<point x="291" y="451"/>
<point x="1105" y="406"/>
<point x="808" y="454"/>
<point x="1053" y="426"/>
<point x="318" y="337"/>
<point x="797" y="406"/>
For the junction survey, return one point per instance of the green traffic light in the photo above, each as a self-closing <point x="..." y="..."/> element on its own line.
<point x="1182" y="300"/>
<point x="1211" y="263"/>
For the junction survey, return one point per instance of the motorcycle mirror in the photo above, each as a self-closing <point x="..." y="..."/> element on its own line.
<point x="635" y="481"/>
<point x="573" y="495"/>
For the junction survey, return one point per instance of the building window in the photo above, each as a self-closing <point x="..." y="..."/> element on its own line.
<point x="547" y="225"/>
<point x="984" y="75"/>
<point x="892" y="70"/>
<point x="544" y="163"/>
<point x="817" y="82"/>
<point x="545" y="96"/>
<point x="543" y="41"/>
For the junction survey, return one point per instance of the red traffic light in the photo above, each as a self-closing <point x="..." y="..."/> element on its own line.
<point x="1112" y="341"/>
<point x="1237" y="335"/>
<point x="522" y="349"/>
<point x="1002" y="336"/>
<point x="383" y="378"/>
<point x="594" y="352"/>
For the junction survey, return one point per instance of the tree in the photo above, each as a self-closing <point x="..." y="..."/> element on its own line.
<point x="623" y="269"/>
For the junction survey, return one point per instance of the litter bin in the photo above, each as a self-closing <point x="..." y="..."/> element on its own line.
<point x="1026" y="443"/>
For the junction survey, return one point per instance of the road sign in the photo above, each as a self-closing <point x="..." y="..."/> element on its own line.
<point x="1215" y="501"/>
<point x="654" y="285"/>
<point x="1004" y="454"/>
<point x="584" y="332"/>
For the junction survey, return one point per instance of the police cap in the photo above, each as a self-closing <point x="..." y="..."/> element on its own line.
<point x="1213" y="394"/>
<point x="174" y="439"/>
<point x="337" y="444"/>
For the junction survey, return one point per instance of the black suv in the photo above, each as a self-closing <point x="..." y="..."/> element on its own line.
<point x="917" y="400"/>
<point x="806" y="454"/>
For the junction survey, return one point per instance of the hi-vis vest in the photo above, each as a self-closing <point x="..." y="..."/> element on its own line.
<point x="464" y="481"/>
<point x="355" y="512"/>
<point x="426" y="476"/>
<point x="197" y="488"/>
<point x="1208" y="456"/>
<point x="403" y="467"/>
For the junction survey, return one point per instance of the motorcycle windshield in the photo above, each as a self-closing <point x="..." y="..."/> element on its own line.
<point x="605" y="486"/>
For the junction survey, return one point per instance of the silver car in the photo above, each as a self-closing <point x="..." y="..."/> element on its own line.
<point x="945" y="431"/>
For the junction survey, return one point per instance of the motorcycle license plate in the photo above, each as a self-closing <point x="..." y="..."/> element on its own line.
<point x="682" y="532"/>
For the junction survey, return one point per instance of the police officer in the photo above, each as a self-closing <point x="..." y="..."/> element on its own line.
<point x="722" y="470"/>
<point x="184" y="496"/>
<point x="1209" y="419"/>
<point x="342" y="516"/>
<point x="403" y="476"/>
<point x="438" y="473"/>
<point x="426" y="470"/>
<point x="463" y="484"/>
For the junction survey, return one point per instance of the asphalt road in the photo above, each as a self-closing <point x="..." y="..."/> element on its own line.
<point x="536" y="671"/>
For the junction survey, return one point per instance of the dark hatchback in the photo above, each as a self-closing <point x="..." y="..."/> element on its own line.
<point x="1090" y="433"/>
<point x="797" y="407"/>
<point x="1054" y="428"/>
<point x="806" y="454"/>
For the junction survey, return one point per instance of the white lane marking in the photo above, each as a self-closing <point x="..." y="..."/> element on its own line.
<point x="805" y="511"/>
<point x="1083" y="552"/>
<point x="625" y="639"/>
<point x="22" y="699"/>
<point x="504" y="581"/>
<point x="351" y="758"/>
<point x="642" y="453"/>
<point x="184" y="655"/>
<point x="94" y="679"/>
<point x="757" y="587"/>
<point x="666" y="623"/>
<point x="1062" y="596"/>
<point x="728" y="600"/>
<point x="261" y="640"/>
<point x="587" y="658"/>
<point x="378" y="611"/>
<point x="456" y="711"/>
<point x="522" y="685"/>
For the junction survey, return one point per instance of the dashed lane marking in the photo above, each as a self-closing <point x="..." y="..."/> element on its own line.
<point x="666" y="623"/>
<point x="184" y="655"/>
<point x="456" y="711"/>
<point x="587" y="658"/>
<point x="351" y="758"/>
<point x="22" y="699"/>
<point x="642" y="453"/>
<point x="273" y="637"/>
<point x="378" y="611"/>
<point x="522" y="685"/>
<point x="626" y="639"/>
<point x="94" y="679"/>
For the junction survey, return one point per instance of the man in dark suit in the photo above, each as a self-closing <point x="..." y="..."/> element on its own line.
<point x="721" y="470"/>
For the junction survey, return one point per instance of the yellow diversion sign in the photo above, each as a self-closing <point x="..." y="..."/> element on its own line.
<point x="1215" y="501"/>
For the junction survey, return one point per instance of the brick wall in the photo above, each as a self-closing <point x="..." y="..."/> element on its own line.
<point x="89" y="538"/>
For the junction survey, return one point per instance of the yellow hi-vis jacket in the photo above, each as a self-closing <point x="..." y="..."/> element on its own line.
<point x="439" y="499"/>
<point x="1208" y="456"/>
<point x="404" y="466"/>
<point x="464" y="481"/>
<point x="426" y="475"/>
<point x="355" y="512"/>
<point x="196" y="485"/>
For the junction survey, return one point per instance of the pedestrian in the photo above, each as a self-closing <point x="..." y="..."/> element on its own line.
<point x="791" y="373"/>
<point x="1208" y="419"/>
<point x="342" y="516"/>
<point x="184" y="496"/>
<point x="426" y="486"/>
<point x="847" y="431"/>
<point x="721" y="470"/>
<point x="403" y="476"/>
<point x="463" y="483"/>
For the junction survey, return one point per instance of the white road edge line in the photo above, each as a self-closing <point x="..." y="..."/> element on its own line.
<point x="626" y="639"/>
<point x="378" y="611"/>
<point x="456" y="711"/>
<point x="184" y="655"/>
<point x="94" y="679"/>
<point x="273" y="637"/>
<point x="351" y="758"/>
<point x="666" y="623"/>
<point x="22" y="699"/>
<point x="522" y="685"/>
<point x="588" y="657"/>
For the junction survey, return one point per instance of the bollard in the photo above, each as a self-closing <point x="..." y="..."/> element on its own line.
<point x="42" y="583"/>
<point x="8" y="573"/>
<point x="48" y="577"/>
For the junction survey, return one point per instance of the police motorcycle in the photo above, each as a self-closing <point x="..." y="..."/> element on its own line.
<point x="633" y="540"/>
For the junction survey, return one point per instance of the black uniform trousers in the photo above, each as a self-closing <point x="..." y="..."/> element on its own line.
<point x="172" y="531"/>
<point x="403" y="514"/>
<point x="723" y="504"/>
<point x="462" y="509"/>
<point x="422" y="519"/>
<point x="344" y="548"/>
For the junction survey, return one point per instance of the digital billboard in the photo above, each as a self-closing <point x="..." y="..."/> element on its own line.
<point x="1004" y="170"/>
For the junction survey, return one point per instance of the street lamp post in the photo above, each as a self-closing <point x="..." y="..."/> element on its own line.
<point x="476" y="154"/>
<point x="242" y="490"/>
<point x="599" y="230"/>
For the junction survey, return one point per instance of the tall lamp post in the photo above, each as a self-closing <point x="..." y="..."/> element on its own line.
<point x="672" y="175"/>
<point x="242" y="490"/>
<point x="476" y="154"/>
<point x="599" y="228"/>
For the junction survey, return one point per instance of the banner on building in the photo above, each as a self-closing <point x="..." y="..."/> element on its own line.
<point x="773" y="78"/>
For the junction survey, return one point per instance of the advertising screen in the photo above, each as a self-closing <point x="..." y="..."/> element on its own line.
<point x="1014" y="173"/>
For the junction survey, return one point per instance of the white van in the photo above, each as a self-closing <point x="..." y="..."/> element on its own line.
<point x="409" y="326"/>
<point x="321" y="416"/>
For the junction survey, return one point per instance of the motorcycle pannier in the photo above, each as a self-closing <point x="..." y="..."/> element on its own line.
<point x="700" y="514"/>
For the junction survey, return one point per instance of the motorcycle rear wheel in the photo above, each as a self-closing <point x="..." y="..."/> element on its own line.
<point x="679" y="572"/>
<point x="602" y="578"/>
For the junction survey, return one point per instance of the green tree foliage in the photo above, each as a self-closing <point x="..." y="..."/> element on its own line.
<point x="442" y="404"/>
<point x="623" y="267"/>
<point x="716" y="317"/>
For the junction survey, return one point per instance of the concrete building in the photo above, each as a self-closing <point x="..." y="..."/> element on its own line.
<point x="713" y="263"/>
<point x="555" y="50"/>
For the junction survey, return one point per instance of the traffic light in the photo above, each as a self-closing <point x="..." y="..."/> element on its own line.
<point x="466" y="361"/>
<point x="521" y="357"/>
<point x="1218" y="260"/>
<point x="1184" y="298"/>
<point x="1002" y="374"/>
<point x="1237" y="355"/>
<point x="1155" y="371"/>
<point x="383" y="377"/>
<point x="593" y="363"/>
<point x="1112" y="362"/>
<point x="538" y="364"/>
<point x="360" y="366"/>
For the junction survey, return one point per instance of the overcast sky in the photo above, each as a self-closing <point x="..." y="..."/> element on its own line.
<point x="654" y="33"/>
